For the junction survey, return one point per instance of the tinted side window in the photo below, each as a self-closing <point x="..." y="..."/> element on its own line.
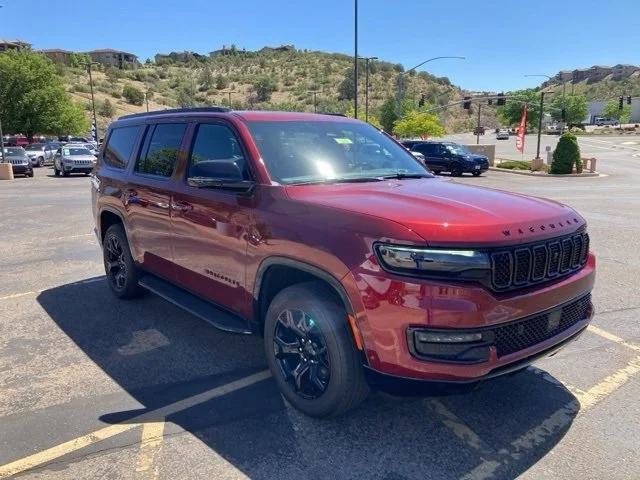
<point x="425" y="148"/>
<point x="214" y="146"/>
<point x="162" y="146"/>
<point x="120" y="145"/>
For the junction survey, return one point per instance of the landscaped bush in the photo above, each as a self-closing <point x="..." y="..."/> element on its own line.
<point x="515" y="165"/>
<point x="566" y="155"/>
<point x="133" y="95"/>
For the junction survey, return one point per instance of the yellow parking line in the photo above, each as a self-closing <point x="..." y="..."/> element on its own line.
<point x="613" y="338"/>
<point x="152" y="434"/>
<point x="606" y="387"/>
<point x="50" y="454"/>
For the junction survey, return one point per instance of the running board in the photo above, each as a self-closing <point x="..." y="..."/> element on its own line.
<point x="195" y="305"/>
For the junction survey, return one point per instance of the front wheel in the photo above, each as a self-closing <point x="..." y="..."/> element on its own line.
<point x="40" y="161"/>
<point x="56" y="171"/>
<point x="311" y="353"/>
<point x="476" y="174"/>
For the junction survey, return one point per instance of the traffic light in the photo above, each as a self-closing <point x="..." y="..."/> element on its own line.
<point x="490" y="101"/>
<point x="421" y="101"/>
<point x="620" y="103"/>
<point x="501" y="99"/>
<point x="467" y="103"/>
<point x="629" y="100"/>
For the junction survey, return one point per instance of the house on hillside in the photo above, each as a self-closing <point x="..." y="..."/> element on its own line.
<point x="281" y="48"/>
<point x="114" y="58"/>
<point x="57" y="55"/>
<point x="621" y="71"/>
<point x="177" y="57"/>
<point x="14" y="45"/>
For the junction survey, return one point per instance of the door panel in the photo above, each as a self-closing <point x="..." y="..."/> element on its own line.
<point x="210" y="226"/>
<point x="148" y="198"/>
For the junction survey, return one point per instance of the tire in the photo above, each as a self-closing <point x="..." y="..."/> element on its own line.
<point x="40" y="161"/>
<point x="456" y="170"/>
<point x="338" y="366"/>
<point x="65" y="173"/>
<point x="120" y="269"/>
<point x="476" y="174"/>
<point x="30" y="174"/>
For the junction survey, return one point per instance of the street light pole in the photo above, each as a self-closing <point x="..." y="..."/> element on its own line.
<point x="401" y="76"/>
<point x="355" y="60"/>
<point x="93" y="102"/>
<point x="366" y="87"/>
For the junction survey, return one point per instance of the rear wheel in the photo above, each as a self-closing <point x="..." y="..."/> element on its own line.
<point x="456" y="170"/>
<point x="311" y="353"/>
<point x="121" y="271"/>
<point x="476" y="174"/>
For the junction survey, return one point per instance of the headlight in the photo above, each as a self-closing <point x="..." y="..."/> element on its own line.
<point x="435" y="262"/>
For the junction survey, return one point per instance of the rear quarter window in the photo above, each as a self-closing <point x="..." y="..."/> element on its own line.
<point x="119" y="146"/>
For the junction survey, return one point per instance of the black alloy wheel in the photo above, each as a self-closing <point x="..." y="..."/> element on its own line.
<point x="115" y="264"/>
<point x="301" y="353"/>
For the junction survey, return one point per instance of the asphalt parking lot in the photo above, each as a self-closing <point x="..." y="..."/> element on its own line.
<point x="93" y="387"/>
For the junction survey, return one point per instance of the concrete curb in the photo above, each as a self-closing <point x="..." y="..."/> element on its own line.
<point x="539" y="175"/>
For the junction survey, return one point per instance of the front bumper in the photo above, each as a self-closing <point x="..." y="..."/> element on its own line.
<point x="22" y="169"/>
<point x="478" y="167"/>
<point x="391" y="305"/>
<point x="77" y="168"/>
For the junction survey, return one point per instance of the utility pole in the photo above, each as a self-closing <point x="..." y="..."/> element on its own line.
<point x="146" y="99"/>
<point x="315" y="101"/>
<point x="366" y="88"/>
<point x="229" y="92"/>
<point x="541" y="113"/>
<point x="1" y="141"/>
<point x="355" y="60"/>
<point x="93" y="102"/>
<point x="478" y="125"/>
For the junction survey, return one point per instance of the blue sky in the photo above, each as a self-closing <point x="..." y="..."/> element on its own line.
<point x="502" y="41"/>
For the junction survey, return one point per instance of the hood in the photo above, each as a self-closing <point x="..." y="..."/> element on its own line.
<point x="443" y="212"/>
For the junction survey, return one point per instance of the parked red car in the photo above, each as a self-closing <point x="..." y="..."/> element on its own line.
<point x="358" y="267"/>
<point x="16" y="141"/>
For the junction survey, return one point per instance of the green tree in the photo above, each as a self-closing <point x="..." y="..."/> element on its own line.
<point x="347" y="86"/>
<point x="612" y="110"/>
<point x="575" y="107"/>
<point x="221" y="82"/>
<point x="263" y="87"/>
<point x="133" y="95"/>
<point x="106" y="109"/>
<point x="79" y="59"/>
<point x="418" y="124"/>
<point x="373" y="119"/>
<point x="388" y="115"/>
<point x="511" y="113"/>
<point x="33" y="99"/>
<point x="566" y="155"/>
<point x="186" y="96"/>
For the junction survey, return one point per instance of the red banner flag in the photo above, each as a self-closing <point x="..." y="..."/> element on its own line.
<point x="522" y="130"/>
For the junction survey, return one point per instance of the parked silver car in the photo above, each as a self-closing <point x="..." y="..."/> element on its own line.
<point x="41" y="153"/>
<point x="502" y="134"/>
<point x="73" y="158"/>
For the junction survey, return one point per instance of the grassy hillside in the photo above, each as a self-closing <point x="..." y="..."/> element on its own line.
<point x="262" y="80"/>
<point x="605" y="89"/>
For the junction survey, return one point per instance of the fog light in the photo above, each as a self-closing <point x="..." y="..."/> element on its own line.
<point x="443" y="337"/>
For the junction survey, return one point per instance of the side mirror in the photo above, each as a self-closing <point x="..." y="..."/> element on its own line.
<point x="222" y="174"/>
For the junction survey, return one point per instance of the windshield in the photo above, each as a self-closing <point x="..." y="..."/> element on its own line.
<point x="13" y="151"/>
<point x="319" y="151"/>
<point x="67" y="152"/>
<point x="36" y="146"/>
<point x="458" y="149"/>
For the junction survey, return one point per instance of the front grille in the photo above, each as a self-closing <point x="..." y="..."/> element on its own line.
<point x="82" y="162"/>
<point x="526" y="265"/>
<point x="522" y="334"/>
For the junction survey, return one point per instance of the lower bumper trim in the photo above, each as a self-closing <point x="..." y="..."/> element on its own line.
<point x="412" y="386"/>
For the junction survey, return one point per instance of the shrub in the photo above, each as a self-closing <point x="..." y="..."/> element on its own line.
<point x="264" y="86"/>
<point x="106" y="109"/>
<point x="133" y="95"/>
<point x="514" y="165"/>
<point x="566" y="155"/>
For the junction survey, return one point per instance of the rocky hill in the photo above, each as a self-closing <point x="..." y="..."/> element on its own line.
<point x="272" y="78"/>
<point x="599" y="82"/>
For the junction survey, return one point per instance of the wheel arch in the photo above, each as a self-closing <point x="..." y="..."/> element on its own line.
<point x="110" y="216"/>
<point x="264" y="290"/>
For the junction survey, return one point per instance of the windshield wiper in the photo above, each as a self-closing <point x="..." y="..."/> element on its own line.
<point x="341" y="180"/>
<point x="402" y="175"/>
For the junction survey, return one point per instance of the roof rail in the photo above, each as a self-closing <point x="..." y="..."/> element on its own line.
<point x="333" y="113"/>
<point x="177" y="110"/>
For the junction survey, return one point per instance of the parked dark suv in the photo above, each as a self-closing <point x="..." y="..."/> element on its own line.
<point x="326" y="237"/>
<point x="449" y="157"/>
